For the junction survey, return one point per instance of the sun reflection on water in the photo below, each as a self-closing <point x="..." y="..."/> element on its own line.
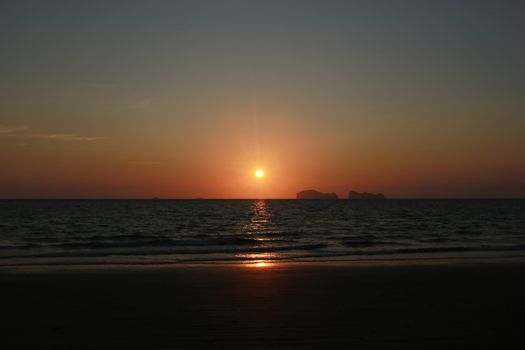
<point x="261" y="215"/>
<point x="259" y="228"/>
<point x="260" y="219"/>
<point x="259" y="264"/>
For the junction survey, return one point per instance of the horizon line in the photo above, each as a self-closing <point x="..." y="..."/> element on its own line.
<point x="273" y="198"/>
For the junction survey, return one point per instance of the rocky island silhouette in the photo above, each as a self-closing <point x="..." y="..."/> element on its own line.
<point x="314" y="194"/>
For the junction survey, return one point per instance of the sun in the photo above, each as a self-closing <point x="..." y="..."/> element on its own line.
<point x="259" y="173"/>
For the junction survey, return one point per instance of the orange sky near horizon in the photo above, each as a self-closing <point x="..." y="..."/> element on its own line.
<point x="294" y="155"/>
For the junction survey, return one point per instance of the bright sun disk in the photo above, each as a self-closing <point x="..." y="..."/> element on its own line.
<point x="259" y="173"/>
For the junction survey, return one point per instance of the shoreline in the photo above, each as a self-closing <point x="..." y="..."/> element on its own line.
<point x="271" y="264"/>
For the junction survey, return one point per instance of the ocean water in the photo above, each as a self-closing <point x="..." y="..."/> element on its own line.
<point x="64" y="232"/>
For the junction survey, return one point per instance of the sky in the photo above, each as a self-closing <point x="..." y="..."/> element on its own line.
<point x="185" y="99"/>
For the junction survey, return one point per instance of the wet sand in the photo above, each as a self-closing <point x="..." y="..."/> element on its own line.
<point x="273" y="307"/>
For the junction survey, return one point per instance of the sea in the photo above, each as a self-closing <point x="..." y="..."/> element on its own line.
<point x="146" y="232"/>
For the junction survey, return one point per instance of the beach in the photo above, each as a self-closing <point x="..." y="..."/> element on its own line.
<point x="277" y="306"/>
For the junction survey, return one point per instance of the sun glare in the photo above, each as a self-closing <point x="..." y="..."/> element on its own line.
<point x="259" y="173"/>
<point x="260" y="264"/>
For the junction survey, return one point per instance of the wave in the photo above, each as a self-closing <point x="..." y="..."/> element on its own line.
<point x="317" y="250"/>
<point x="164" y="251"/>
<point x="427" y="250"/>
<point x="367" y="243"/>
<point x="109" y="242"/>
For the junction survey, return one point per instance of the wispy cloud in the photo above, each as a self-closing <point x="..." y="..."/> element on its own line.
<point x="142" y="103"/>
<point x="16" y="132"/>
<point x="68" y="137"/>
<point x="6" y="129"/>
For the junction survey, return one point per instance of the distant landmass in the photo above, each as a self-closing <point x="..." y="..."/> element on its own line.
<point x="365" y="195"/>
<point x="313" y="194"/>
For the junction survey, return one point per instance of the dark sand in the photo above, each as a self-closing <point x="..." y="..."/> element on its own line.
<point x="281" y="307"/>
